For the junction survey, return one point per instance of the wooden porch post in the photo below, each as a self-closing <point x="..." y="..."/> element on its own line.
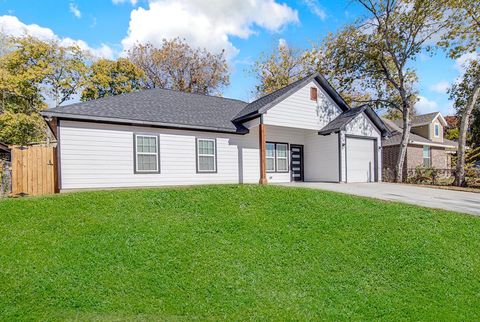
<point x="263" y="146"/>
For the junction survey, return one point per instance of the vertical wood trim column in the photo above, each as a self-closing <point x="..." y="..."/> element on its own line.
<point x="263" y="146"/>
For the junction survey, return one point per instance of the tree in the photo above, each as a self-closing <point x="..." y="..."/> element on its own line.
<point x="22" y="71"/>
<point x="66" y="72"/>
<point x="377" y="51"/>
<point x="112" y="77"/>
<point x="285" y="65"/>
<point x="29" y="69"/>
<point x="176" y="65"/>
<point x="463" y="36"/>
<point x="465" y="95"/>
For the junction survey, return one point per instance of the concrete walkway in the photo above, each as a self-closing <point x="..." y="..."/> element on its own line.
<point x="460" y="201"/>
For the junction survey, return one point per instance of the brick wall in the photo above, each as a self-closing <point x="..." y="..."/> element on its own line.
<point x="414" y="158"/>
<point x="440" y="159"/>
<point x="390" y="156"/>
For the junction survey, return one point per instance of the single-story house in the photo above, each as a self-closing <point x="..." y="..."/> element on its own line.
<point x="302" y="132"/>
<point x="426" y="146"/>
<point x="5" y="153"/>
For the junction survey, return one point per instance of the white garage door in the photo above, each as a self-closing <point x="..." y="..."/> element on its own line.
<point x="360" y="160"/>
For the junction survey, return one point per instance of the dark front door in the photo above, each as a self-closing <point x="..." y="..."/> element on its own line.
<point x="296" y="162"/>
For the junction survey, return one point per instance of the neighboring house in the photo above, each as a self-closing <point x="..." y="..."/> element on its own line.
<point x="303" y="132"/>
<point x="426" y="147"/>
<point x="5" y="153"/>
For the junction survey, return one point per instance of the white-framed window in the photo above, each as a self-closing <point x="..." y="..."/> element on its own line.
<point x="282" y="157"/>
<point x="146" y="153"/>
<point x="437" y="130"/>
<point x="276" y="157"/>
<point x="206" y="155"/>
<point x="270" y="157"/>
<point x="426" y="156"/>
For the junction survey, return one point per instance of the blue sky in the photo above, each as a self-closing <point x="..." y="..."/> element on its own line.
<point x="244" y="28"/>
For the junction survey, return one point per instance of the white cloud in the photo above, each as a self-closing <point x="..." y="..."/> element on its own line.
<point x="74" y="10"/>
<point x="440" y="87"/>
<point x="316" y="9"/>
<point x="462" y="61"/>
<point x="282" y="43"/>
<point x="133" y="2"/>
<point x="208" y="24"/>
<point x="424" y="105"/>
<point x="12" y="26"/>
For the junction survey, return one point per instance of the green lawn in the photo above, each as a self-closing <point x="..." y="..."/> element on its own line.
<point x="235" y="253"/>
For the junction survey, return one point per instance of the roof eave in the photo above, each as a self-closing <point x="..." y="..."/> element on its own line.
<point x="77" y="117"/>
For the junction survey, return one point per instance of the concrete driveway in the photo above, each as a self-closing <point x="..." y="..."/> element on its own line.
<point x="466" y="202"/>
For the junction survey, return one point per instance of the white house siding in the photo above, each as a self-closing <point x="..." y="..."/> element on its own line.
<point x="284" y="135"/>
<point x="95" y="155"/>
<point x="299" y="111"/>
<point x="321" y="157"/>
<point x="362" y="126"/>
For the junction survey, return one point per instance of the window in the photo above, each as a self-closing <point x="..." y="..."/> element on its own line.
<point x="146" y="154"/>
<point x="313" y="93"/>
<point x="270" y="157"/>
<point x="277" y="157"/>
<point x="437" y="130"/>
<point x="282" y="157"/>
<point x="206" y="155"/>
<point x="426" y="156"/>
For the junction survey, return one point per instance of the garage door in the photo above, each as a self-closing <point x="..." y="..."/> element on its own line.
<point x="360" y="160"/>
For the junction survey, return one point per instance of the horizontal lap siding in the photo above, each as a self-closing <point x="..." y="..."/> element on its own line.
<point x="321" y="158"/>
<point x="299" y="111"/>
<point x="99" y="155"/>
<point x="284" y="135"/>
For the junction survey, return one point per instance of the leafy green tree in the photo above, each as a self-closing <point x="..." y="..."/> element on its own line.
<point x="21" y="128"/>
<point x="22" y="71"/>
<point x="112" y="77"/>
<point x="176" y="65"/>
<point x="285" y="65"/>
<point x="463" y="36"/>
<point x="66" y="72"/>
<point x="465" y="95"/>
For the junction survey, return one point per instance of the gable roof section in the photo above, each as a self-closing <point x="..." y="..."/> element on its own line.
<point x="424" y="119"/>
<point x="396" y="137"/>
<point x="341" y="121"/>
<point x="264" y="103"/>
<point x="159" y="107"/>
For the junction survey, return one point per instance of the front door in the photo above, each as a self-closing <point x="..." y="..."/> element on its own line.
<point x="296" y="162"/>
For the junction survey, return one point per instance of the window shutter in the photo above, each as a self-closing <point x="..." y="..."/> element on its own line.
<point x="313" y="93"/>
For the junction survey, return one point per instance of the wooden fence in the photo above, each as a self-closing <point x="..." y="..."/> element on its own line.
<point x="34" y="170"/>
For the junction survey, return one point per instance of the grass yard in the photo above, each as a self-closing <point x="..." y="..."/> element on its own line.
<point x="235" y="253"/>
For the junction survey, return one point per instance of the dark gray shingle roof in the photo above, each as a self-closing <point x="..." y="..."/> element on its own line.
<point x="418" y="120"/>
<point x="342" y="120"/>
<point x="159" y="107"/>
<point x="396" y="136"/>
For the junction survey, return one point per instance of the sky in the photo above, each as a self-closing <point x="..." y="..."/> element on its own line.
<point x="245" y="29"/>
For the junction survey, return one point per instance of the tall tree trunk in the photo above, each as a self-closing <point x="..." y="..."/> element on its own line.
<point x="403" y="144"/>
<point x="462" y="138"/>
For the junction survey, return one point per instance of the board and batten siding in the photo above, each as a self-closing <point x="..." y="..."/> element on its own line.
<point x="361" y="126"/>
<point x="95" y="155"/>
<point x="299" y="111"/>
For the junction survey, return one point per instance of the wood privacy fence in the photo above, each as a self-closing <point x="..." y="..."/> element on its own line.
<point x="34" y="170"/>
